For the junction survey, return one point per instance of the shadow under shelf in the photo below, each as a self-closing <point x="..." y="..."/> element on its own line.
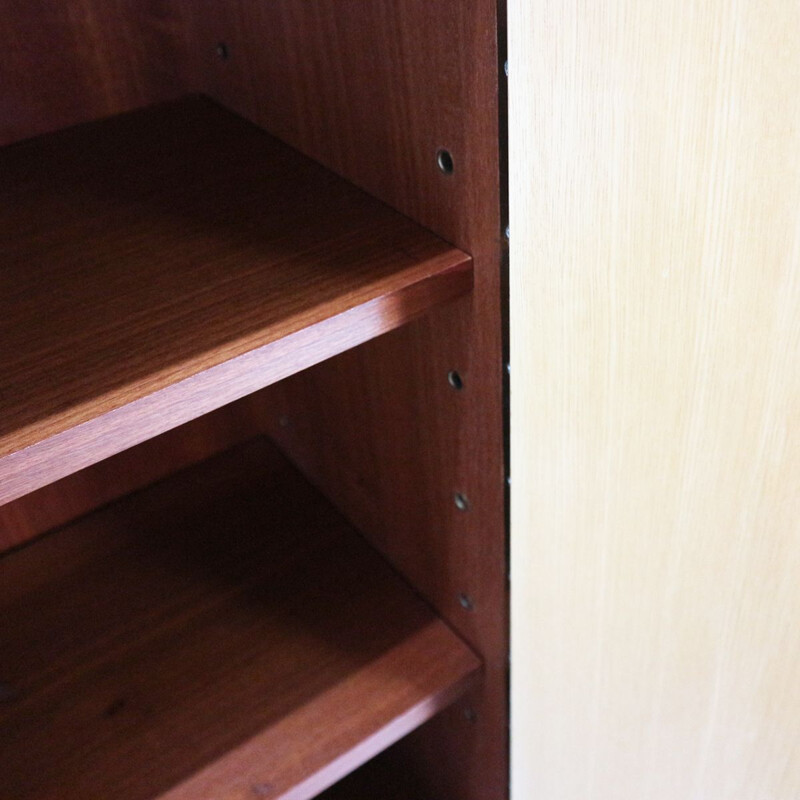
<point x="159" y="264"/>
<point x="222" y="633"/>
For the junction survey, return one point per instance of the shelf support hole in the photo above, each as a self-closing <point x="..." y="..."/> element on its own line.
<point x="455" y="380"/>
<point x="445" y="161"/>
<point x="466" y="602"/>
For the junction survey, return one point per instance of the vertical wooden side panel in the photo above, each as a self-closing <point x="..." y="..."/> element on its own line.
<point x="76" y="60"/>
<point x="373" y="90"/>
<point x="655" y="399"/>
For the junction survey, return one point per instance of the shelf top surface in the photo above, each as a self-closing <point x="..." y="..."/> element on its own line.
<point x="222" y="630"/>
<point x="143" y="249"/>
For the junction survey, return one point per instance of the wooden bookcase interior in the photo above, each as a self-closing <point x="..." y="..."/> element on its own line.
<point x="220" y="633"/>
<point x="172" y="268"/>
<point x="229" y="446"/>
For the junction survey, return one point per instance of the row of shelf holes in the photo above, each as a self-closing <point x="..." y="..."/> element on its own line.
<point x="460" y="500"/>
<point x="446" y="164"/>
<point x="444" y="160"/>
<point x="462" y="504"/>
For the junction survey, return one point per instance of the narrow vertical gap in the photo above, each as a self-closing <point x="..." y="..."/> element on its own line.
<point x="502" y="131"/>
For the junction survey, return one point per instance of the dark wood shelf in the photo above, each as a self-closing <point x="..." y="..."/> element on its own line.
<point x="159" y="264"/>
<point x="223" y="633"/>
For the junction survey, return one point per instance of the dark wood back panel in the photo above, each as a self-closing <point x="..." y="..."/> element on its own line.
<point x="373" y="90"/>
<point x="76" y="60"/>
<point x="64" y="63"/>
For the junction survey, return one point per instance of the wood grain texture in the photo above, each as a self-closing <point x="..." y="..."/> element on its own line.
<point x="221" y="634"/>
<point x="77" y="60"/>
<point x="160" y="264"/>
<point x="372" y="90"/>
<point x="655" y="324"/>
<point x="81" y="492"/>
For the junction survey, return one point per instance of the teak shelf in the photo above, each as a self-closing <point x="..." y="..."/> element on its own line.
<point x="223" y="633"/>
<point x="159" y="264"/>
<point x="252" y="365"/>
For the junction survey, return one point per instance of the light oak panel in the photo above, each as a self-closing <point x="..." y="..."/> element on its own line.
<point x="655" y="400"/>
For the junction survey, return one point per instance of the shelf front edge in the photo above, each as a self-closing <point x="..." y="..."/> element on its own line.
<point x="240" y="773"/>
<point x="68" y="451"/>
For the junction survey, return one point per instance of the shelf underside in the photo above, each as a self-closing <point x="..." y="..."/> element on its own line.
<point x="159" y="264"/>
<point x="388" y="776"/>
<point x="223" y="633"/>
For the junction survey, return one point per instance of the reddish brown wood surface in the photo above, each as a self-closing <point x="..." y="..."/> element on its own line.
<point x="373" y="90"/>
<point x="160" y="264"/>
<point x="76" y="60"/>
<point x="221" y="634"/>
<point x="83" y="491"/>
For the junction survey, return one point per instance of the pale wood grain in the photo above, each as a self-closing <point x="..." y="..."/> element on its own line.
<point x="224" y="633"/>
<point x="655" y="319"/>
